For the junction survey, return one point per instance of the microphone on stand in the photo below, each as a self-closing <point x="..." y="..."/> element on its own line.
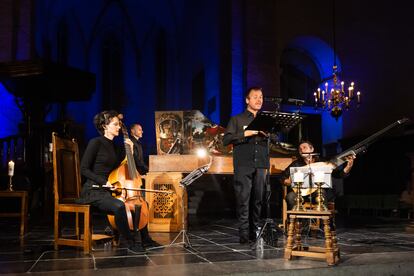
<point x="273" y="99"/>
<point x="296" y="101"/>
<point x="308" y="155"/>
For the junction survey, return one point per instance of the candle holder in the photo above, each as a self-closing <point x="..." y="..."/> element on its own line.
<point x="299" y="199"/>
<point x="320" y="199"/>
<point x="10" y="183"/>
<point x="337" y="99"/>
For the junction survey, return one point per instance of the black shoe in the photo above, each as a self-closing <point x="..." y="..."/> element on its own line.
<point x="150" y="243"/>
<point x="136" y="248"/>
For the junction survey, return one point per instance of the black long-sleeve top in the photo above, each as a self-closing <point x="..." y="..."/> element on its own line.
<point x="247" y="151"/>
<point x="139" y="156"/>
<point x="100" y="158"/>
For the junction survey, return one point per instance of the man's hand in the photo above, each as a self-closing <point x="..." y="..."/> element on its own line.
<point x="107" y="185"/>
<point x="248" y="133"/>
<point x="350" y="163"/>
<point x="287" y="181"/>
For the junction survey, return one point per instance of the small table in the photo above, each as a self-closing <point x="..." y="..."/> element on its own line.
<point x="295" y="248"/>
<point x="23" y="210"/>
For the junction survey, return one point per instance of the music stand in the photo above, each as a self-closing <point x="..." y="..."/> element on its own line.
<point x="269" y="122"/>
<point x="186" y="181"/>
<point x="309" y="171"/>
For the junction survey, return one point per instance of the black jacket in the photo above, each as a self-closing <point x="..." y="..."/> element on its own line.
<point x="250" y="151"/>
<point x="139" y="156"/>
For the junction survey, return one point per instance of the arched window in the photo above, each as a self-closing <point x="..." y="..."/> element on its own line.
<point x="306" y="63"/>
<point x="161" y="72"/>
<point x="198" y="90"/>
<point x="299" y="77"/>
<point x="113" y="92"/>
<point x="62" y="42"/>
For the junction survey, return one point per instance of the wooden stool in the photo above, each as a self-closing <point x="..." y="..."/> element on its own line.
<point x="23" y="210"/>
<point x="295" y="248"/>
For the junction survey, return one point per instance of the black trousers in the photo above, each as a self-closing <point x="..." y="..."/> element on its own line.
<point x="116" y="207"/>
<point x="249" y="186"/>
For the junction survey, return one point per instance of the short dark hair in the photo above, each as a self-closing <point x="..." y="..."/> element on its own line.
<point x="250" y="89"/>
<point x="103" y="118"/>
<point x="134" y="124"/>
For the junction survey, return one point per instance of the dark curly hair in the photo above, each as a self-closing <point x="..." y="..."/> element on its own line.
<point x="305" y="142"/>
<point x="103" y="118"/>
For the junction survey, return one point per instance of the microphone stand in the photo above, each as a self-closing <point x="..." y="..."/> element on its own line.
<point x="269" y="229"/>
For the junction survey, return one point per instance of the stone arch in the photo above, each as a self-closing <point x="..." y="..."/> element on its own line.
<point x="312" y="59"/>
<point x="306" y="62"/>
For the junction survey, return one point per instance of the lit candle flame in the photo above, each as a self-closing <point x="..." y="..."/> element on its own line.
<point x="11" y="168"/>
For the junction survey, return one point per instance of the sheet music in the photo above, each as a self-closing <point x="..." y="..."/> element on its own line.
<point x="274" y="121"/>
<point x="326" y="169"/>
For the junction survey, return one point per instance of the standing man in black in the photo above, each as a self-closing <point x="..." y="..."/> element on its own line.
<point x="250" y="161"/>
<point x="136" y="134"/>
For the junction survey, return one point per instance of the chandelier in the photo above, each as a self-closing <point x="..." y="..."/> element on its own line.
<point x="336" y="98"/>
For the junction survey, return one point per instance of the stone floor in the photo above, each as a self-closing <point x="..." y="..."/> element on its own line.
<point x="369" y="246"/>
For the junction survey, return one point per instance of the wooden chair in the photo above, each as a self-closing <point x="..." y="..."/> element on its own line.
<point x="66" y="187"/>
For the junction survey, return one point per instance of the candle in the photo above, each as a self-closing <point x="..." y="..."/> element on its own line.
<point x="342" y="86"/>
<point x="319" y="177"/>
<point x="326" y="86"/>
<point x="11" y="168"/>
<point x="319" y="93"/>
<point x="323" y="95"/>
<point x="359" y="97"/>
<point x="298" y="177"/>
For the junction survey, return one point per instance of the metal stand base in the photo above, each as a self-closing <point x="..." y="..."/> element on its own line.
<point x="269" y="233"/>
<point x="185" y="240"/>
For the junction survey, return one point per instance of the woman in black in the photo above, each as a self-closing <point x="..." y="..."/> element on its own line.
<point x="100" y="158"/>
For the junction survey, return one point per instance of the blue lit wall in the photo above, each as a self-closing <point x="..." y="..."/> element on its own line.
<point x="237" y="87"/>
<point x="10" y="115"/>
